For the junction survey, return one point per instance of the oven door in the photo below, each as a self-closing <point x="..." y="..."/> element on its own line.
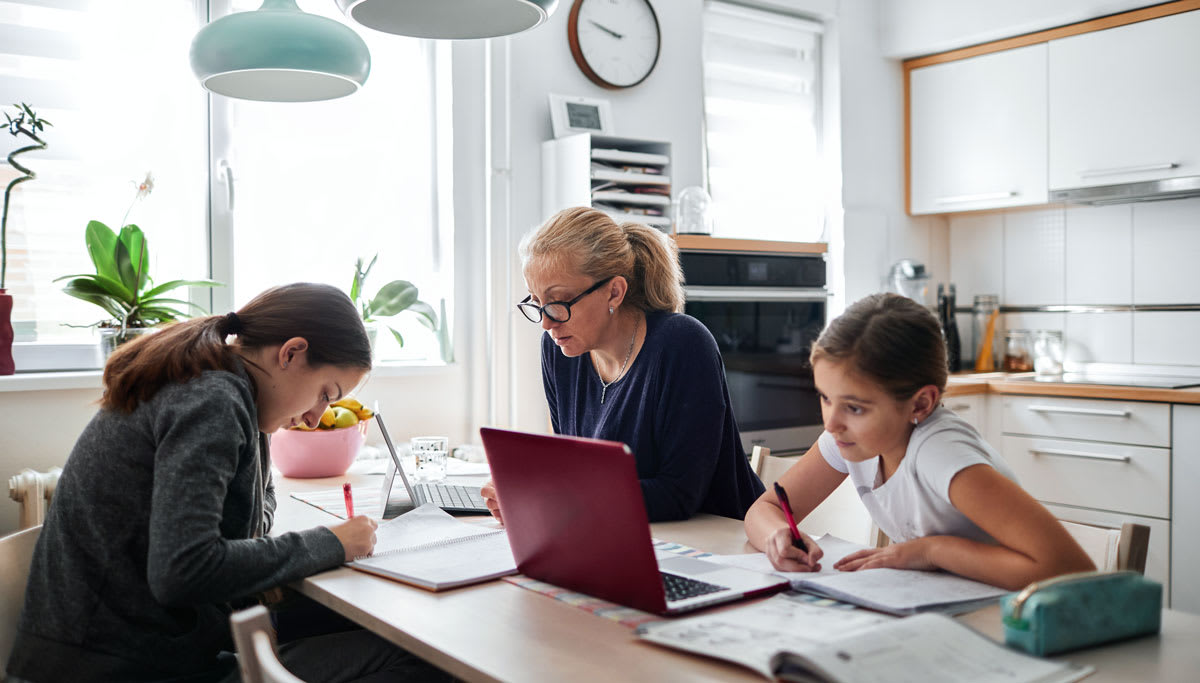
<point x="764" y="334"/>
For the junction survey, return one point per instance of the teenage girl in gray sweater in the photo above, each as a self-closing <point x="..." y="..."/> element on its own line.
<point x="159" y="525"/>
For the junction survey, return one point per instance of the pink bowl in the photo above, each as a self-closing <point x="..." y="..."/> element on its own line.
<point x="319" y="453"/>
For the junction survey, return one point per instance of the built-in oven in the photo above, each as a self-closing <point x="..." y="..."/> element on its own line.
<point x="765" y="310"/>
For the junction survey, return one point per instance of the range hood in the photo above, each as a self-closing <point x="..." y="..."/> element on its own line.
<point x="1147" y="191"/>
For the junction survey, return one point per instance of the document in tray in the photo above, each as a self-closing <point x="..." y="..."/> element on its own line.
<point x="782" y="638"/>
<point x="429" y="548"/>
<point x="896" y="591"/>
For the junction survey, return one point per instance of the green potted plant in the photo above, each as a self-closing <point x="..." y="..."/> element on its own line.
<point x="28" y="124"/>
<point x="392" y="299"/>
<point x="122" y="285"/>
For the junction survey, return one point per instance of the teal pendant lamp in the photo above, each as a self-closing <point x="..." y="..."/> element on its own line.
<point x="449" y="18"/>
<point x="279" y="53"/>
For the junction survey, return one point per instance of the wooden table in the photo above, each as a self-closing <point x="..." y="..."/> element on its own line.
<point x="500" y="632"/>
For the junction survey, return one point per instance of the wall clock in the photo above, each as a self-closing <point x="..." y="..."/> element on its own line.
<point x="614" y="42"/>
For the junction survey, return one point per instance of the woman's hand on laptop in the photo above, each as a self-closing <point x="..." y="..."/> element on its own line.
<point x="785" y="556"/>
<point x="357" y="536"/>
<point x="491" y="499"/>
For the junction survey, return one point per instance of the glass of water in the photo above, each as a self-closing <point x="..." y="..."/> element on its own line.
<point x="429" y="453"/>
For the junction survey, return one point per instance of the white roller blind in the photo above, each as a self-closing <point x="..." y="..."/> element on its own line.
<point x="762" y="104"/>
<point x="113" y="79"/>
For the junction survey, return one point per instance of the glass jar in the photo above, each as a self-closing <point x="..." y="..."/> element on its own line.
<point x="1018" y="351"/>
<point x="985" y="332"/>
<point x="1048" y="352"/>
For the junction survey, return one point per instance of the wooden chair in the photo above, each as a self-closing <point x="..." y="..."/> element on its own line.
<point x="255" y="640"/>
<point x="16" y="553"/>
<point x="1113" y="549"/>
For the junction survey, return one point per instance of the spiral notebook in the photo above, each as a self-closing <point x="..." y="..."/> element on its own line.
<point x="429" y="548"/>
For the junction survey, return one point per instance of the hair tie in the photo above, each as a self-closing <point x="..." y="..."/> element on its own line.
<point x="233" y="324"/>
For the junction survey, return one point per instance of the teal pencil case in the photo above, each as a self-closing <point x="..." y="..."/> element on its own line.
<point x="1079" y="610"/>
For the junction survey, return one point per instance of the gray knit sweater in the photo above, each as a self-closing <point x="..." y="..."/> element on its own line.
<point x="158" y="523"/>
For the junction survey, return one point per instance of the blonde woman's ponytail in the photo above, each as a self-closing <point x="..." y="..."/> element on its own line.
<point x="655" y="268"/>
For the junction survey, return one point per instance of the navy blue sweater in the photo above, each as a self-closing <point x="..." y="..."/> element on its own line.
<point x="672" y="409"/>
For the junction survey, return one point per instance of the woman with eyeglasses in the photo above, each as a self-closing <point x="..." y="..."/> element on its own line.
<point x="621" y="363"/>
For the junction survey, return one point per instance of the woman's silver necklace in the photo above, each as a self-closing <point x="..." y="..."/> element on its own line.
<point x="628" y="354"/>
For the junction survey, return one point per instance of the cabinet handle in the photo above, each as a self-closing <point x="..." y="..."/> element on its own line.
<point x="1079" y="411"/>
<point x="960" y="406"/>
<point x="960" y="198"/>
<point x="1091" y="172"/>
<point x="1079" y="454"/>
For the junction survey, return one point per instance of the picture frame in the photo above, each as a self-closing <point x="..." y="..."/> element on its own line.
<point x="571" y="114"/>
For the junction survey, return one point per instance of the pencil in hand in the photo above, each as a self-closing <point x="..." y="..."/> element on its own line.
<point x="797" y="540"/>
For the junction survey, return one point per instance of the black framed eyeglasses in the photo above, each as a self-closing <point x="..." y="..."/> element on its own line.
<point x="558" y="311"/>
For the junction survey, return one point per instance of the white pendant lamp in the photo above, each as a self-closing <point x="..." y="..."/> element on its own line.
<point x="279" y="53"/>
<point x="449" y="18"/>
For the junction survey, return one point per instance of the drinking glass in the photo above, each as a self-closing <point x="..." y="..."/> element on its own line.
<point x="1047" y="352"/>
<point x="430" y="454"/>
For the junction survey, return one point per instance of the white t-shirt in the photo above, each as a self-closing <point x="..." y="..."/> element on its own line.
<point x="915" y="501"/>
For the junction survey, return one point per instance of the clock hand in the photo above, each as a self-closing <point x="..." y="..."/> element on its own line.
<point x="606" y="29"/>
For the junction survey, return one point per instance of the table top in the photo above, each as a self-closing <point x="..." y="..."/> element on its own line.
<point x="496" y="631"/>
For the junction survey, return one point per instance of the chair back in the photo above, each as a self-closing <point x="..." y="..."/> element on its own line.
<point x="16" y="554"/>
<point x="1112" y="549"/>
<point x="254" y="637"/>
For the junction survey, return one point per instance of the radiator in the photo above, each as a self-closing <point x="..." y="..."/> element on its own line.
<point x="33" y="490"/>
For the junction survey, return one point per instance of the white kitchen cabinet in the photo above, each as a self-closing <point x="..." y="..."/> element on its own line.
<point x="1123" y="103"/>
<point x="1101" y="462"/>
<point x="978" y="132"/>
<point x="971" y="409"/>
<point x="1185" y="507"/>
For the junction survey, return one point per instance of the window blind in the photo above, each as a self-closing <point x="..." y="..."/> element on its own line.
<point x="762" y="104"/>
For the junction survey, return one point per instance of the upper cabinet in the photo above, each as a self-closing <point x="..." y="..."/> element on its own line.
<point x="977" y="131"/>
<point x="1124" y="103"/>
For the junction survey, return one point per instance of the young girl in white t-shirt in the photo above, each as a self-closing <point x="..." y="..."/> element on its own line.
<point x="942" y="495"/>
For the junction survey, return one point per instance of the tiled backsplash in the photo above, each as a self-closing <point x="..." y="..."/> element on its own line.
<point x="1125" y="254"/>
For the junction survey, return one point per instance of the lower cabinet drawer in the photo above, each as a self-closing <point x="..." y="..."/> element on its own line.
<point x="1158" y="555"/>
<point x="1130" y="479"/>
<point x="1144" y="424"/>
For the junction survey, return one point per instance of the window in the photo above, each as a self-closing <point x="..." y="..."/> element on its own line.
<point x="762" y="105"/>
<point x="298" y="191"/>
<point x="317" y="185"/>
<point x="119" y="108"/>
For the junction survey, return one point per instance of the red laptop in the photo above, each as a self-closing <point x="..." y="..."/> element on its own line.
<point x="576" y="519"/>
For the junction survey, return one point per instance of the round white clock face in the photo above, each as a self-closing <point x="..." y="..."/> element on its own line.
<point x="615" y="42"/>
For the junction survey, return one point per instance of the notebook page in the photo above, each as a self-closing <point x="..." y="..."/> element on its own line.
<point x="834" y="549"/>
<point x="426" y="525"/>
<point x="928" y="648"/>
<point x="481" y="558"/>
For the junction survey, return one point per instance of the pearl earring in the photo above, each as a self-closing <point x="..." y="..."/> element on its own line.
<point x="914" y="421"/>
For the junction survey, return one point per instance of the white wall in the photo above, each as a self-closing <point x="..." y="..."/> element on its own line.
<point x="921" y="27"/>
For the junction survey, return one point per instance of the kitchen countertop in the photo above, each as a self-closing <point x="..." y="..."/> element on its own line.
<point x="965" y="384"/>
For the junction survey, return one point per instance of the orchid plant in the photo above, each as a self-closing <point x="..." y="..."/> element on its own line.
<point x="28" y="124"/>
<point x="122" y="285"/>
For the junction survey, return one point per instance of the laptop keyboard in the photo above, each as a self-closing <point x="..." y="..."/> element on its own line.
<point x="681" y="587"/>
<point x="462" y="497"/>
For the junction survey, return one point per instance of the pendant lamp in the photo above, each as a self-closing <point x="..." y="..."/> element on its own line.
<point x="279" y="53"/>
<point x="449" y="18"/>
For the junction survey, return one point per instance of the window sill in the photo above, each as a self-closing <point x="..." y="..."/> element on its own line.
<point x="91" y="379"/>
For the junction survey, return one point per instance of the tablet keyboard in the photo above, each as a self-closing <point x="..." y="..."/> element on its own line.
<point x="451" y="496"/>
<point x="681" y="587"/>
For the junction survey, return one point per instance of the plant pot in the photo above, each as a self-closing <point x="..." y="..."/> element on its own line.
<point x="111" y="338"/>
<point x="6" y="333"/>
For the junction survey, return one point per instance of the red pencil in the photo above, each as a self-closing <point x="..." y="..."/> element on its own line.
<point x="349" y="500"/>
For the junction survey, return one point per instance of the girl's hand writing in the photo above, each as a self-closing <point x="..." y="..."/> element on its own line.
<point x="492" y="500"/>
<point x="908" y="555"/>
<point x="357" y="536"/>
<point x="786" y="557"/>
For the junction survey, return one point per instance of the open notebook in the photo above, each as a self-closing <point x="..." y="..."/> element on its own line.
<point x="785" y="639"/>
<point x="896" y="591"/>
<point x="428" y="548"/>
